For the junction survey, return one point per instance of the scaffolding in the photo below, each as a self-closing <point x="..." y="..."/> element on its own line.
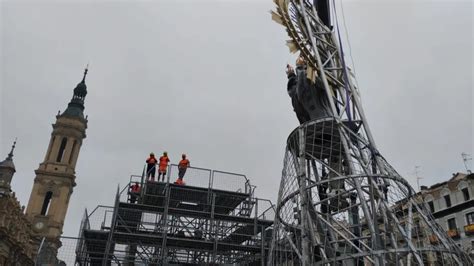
<point x="340" y="202"/>
<point x="197" y="223"/>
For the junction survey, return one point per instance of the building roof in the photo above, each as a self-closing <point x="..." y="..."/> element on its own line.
<point x="455" y="178"/>
<point x="8" y="162"/>
<point x="75" y="107"/>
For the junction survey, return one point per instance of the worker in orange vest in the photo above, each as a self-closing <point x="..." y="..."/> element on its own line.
<point x="163" y="166"/>
<point x="183" y="166"/>
<point x="151" y="166"/>
<point x="134" y="192"/>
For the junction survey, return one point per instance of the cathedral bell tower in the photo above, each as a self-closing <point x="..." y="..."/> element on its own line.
<point x="55" y="177"/>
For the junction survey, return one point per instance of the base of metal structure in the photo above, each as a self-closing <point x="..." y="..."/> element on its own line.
<point x="335" y="209"/>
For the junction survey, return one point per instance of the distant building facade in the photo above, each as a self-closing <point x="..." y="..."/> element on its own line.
<point x="452" y="205"/>
<point x="32" y="237"/>
<point x="16" y="236"/>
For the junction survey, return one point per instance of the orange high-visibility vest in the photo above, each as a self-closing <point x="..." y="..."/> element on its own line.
<point x="151" y="160"/>
<point x="183" y="163"/>
<point x="135" y="188"/>
<point x="164" y="160"/>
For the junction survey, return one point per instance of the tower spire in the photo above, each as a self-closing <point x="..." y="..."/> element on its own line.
<point x="85" y="73"/>
<point x="7" y="170"/>
<point x="10" y="155"/>
<point x="75" y="107"/>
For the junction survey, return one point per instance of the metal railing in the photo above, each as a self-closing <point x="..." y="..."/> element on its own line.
<point x="268" y="209"/>
<point x="196" y="176"/>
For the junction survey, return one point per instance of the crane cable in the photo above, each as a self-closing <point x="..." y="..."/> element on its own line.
<point x="343" y="61"/>
<point x="346" y="31"/>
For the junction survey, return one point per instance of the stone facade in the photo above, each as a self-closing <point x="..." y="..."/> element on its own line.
<point x="55" y="178"/>
<point x="16" y="235"/>
<point x="33" y="237"/>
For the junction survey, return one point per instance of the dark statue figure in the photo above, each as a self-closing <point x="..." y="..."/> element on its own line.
<point x="311" y="103"/>
<point x="309" y="100"/>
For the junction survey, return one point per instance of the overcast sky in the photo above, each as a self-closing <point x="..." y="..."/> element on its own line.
<point x="207" y="78"/>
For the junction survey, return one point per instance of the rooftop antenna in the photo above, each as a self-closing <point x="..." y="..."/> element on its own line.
<point x="417" y="172"/>
<point x="466" y="157"/>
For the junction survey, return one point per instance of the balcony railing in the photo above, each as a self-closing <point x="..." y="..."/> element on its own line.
<point x="453" y="233"/>
<point x="469" y="229"/>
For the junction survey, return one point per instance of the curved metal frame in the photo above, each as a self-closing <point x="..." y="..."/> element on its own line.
<point x="337" y="193"/>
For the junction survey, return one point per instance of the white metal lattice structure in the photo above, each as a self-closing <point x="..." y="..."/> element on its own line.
<point x="340" y="202"/>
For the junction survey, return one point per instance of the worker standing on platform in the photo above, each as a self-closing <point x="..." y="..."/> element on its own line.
<point x="183" y="166"/>
<point x="164" y="160"/>
<point x="134" y="192"/>
<point x="151" y="167"/>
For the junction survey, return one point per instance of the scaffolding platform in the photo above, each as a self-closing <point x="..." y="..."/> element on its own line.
<point x="226" y="201"/>
<point x="134" y="212"/>
<point x="322" y="138"/>
<point x="243" y="233"/>
<point x="95" y="245"/>
<point x="186" y="224"/>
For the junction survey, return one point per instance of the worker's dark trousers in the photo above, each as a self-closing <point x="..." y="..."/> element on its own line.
<point x="133" y="198"/>
<point x="150" y="171"/>
<point x="181" y="172"/>
<point x="161" y="174"/>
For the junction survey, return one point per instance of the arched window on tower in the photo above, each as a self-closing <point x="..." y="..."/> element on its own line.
<point x="72" y="151"/>
<point x="61" y="150"/>
<point x="48" y="153"/>
<point x="47" y="200"/>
